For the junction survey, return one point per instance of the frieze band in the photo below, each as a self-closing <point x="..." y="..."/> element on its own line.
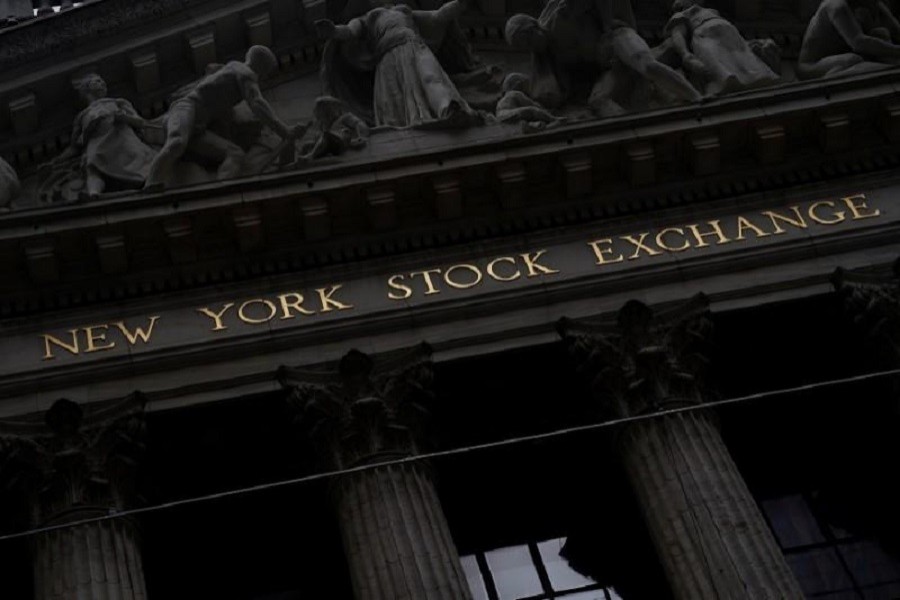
<point x="296" y="306"/>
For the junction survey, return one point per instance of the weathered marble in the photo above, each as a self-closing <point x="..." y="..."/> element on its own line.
<point x="395" y="535"/>
<point x="516" y="106"/>
<point x="79" y="465"/>
<point x="714" y="53"/>
<point x="337" y="130"/>
<point x="849" y="36"/>
<point x="106" y="148"/>
<point x="213" y="98"/>
<point x="709" y="533"/>
<point x="589" y="49"/>
<point x="406" y="84"/>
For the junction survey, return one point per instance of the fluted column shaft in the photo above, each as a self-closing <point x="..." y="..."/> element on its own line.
<point x="711" y="537"/>
<point x="95" y="561"/>
<point x="395" y="535"/>
<point x="73" y="465"/>
<point x="396" y="538"/>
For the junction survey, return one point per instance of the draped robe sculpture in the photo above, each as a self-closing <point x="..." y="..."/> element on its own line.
<point x="574" y="42"/>
<point x="105" y="149"/>
<point x="388" y="66"/>
<point x="713" y="50"/>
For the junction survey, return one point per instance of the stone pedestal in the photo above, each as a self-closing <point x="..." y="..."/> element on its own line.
<point x="709" y="533"/>
<point x="75" y="466"/>
<point x="395" y="535"/>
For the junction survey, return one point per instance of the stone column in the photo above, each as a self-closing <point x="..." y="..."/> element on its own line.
<point x="366" y="411"/>
<point x="76" y="465"/>
<point x="709" y="533"/>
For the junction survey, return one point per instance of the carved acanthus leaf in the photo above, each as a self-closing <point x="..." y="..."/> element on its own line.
<point x="366" y="406"/>
<point x="872" y="301"/>
<point x="647" y="361"/>
<point x="76" y="457"/>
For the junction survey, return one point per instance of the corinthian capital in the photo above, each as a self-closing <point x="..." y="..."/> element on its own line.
<point x="364" y="406"/>
<point x="646" y="360"/>
<point x="72" y="457"/>
<point x="872" y="301"/>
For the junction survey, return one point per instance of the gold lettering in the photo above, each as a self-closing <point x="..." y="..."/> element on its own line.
<point x="55" y="341"/>
<point x="639" y="246"/>
<point x="492" y="272"/>
<point x="252" y="321"/>
<point x="96" y="340"/>
<point x="602" y="253"/>
<point x="463" y="286"/>
<point x="328" y="303"/>
<point x="138" y="334"/>
<point x="661" y="240"/>
<point x="217" y="317"/>
<point x="429" y="285"/>
<point x="292" y="302"/>
<point x="797" y="222"/>
<point x="394" y="282"/>
<point x="856" y="208"/>
<point x="535" y="269"/>
<point x="838" y="216"/>
<point x="716" y="231"/>
<point x="744" y="223"/>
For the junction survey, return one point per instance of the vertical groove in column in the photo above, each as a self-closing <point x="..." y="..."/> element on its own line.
<point x="760" y="540"/>
<point x="96" y="561"/>
<point x="648" y="477"/>
<point x="438" y="524"/>
<point x="710" y="535"/>
<point x="411" y="540"/>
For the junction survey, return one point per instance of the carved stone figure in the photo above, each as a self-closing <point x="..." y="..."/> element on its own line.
<point x="338" y="129"/>
<point x="713" y="51"/>
<point x="105" y="149"/>
<point x="384" y="66"/>
<point x="213" y="98"/>
<point x="849" y="36"/>
<point x="593" y="42"/>
<point x="9" y="185"/>
<point x="517" y="107"/>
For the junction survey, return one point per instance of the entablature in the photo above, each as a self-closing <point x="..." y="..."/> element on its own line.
<point x="148" y="50"/>
<point x="412" y="189"/>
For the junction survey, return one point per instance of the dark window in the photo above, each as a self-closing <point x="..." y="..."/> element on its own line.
<point x="535" y="571"/>
<point x="828" y="561"/>
<point x="528" y="519"/>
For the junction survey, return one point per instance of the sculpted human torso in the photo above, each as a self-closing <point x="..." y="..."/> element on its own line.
<point x="830" y="42"/>
<point x="219" y="92"/>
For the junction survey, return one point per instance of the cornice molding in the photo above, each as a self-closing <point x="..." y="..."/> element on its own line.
<point x="59" y="33"/>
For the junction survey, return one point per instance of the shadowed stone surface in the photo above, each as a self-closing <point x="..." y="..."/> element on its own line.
<point x="396" y="538"/>
<point x="708" y="531"/>
<point x="80" y="466"/>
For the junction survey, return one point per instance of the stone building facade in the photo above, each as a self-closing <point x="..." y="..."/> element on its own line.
<point x="475" y="300"/>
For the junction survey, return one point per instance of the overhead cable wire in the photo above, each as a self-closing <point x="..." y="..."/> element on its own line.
<point x="506" y="443"/>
